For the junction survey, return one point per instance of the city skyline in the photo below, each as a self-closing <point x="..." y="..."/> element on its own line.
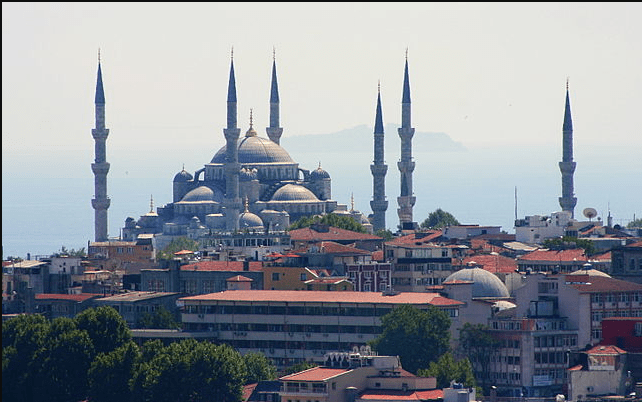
<point x="487" y="75"/>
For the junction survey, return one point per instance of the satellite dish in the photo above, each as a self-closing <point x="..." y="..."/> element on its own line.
<point x="590" y="213"/>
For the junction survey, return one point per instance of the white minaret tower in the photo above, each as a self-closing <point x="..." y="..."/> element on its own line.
<point x="406" y="166"/>
<point x="379" y="169"/>
<point x="274" y="132"/>
<point x="567" y="166"/>
<point x="232" y="202"/>
<point x="100" y="167"/>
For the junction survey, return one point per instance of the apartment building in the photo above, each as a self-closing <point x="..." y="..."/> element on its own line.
<point x="296" y="326"/>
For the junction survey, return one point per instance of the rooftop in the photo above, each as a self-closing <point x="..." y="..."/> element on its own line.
<point x="314" y="374"/>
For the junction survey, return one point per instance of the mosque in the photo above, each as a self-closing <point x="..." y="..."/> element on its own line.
<point x="250" y="185"/>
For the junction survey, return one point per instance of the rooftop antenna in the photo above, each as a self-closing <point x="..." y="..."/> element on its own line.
<point x="590" y="213"/>
<point x="515" y="202"/>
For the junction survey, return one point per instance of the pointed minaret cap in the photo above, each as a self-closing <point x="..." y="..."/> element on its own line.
<point x="274" y="93"/>
<point x="378" y="128"/>
<point x="100" y="93"/>
<point x="231" y="88"/>
<point x="568" y="122"/>
<point x="406" y="83"/>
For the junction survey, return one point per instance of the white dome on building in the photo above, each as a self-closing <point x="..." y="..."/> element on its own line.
<point x="485" y="284"/>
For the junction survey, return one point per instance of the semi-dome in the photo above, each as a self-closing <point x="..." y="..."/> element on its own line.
<point x="202" y="193"/>
<point x="485" y="284"/>
<point x="182" y="176"/>
<point x="293" y="192"/>
<point x="254" y="149"/>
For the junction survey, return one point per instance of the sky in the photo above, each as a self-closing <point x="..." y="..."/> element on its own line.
<point x="489" y="75"/>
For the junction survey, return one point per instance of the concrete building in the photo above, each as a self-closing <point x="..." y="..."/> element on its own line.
<point x="465" y="232"/>
<point x="626" y="262"/>
<point x="560" y="261"/>
<point x="535" y="229"/>
<point x="370" y="276"/>
<point x="603" y="374"/>
<point x="54" y="305"/>
<point x="295" y="326"/>
<point x="133" y="305"/>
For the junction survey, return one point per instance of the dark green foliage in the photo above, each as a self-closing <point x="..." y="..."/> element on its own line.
<point x="569" y="242"/>
<point x="338" y="221"/>
<point x="181" y="243"/>
<point x="418" y="337"/>
<point x="298" y="367"/>
<point x="70" y="253"/>
<point x="106" y="328"/>
<point x="439" y="219"/>
<point x="636" y="223"/>
<point x="162" y="318"/>
<point x="446" y="369"/>
<point x="477" y="343"/>
<point x="385" y="233"/>
<point x="258" y="368"/>
<point x="110" y="374"/>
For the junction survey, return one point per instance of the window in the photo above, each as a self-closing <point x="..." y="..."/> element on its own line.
<point x="304" y="277"/>
<point x="275" y="276"/>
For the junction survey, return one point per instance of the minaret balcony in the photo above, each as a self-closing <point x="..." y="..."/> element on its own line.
<point x="100" y="203"/>
<point x="100" y="168"/>
<point x="379" y="170"/>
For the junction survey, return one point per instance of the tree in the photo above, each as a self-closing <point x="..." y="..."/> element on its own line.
<point x="636" y="223"/>
<point x="476" y="342"/>
<point x="110" y="373"/>
<point x="385" y="233"/>
<point x="106" y="328"/>
<point x="439" y="219"/>
<point x="446" y="369"/>
<point x="162" y="318"/>
<point x="70" y="253"/>
<point x="339" y="221"/>
<point x="258" y="368"/>
<point x="418" y="337"/>
<point x="570" y="242"/>
<point x="178" y="244"/>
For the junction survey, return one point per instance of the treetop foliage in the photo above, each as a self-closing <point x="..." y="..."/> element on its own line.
<point x="569" y="242"/>
<point x="339" y="221"/>
<point x="636" y="223"/>
<point x="178" y="244"/>
<point x="439" y="219"/>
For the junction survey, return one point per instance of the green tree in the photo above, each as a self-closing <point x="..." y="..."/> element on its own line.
<point x="418" y="337"/>
<point x="106" y="328"/>
<point x="298" y="367"/>
<point x="191" y="371"/>
<point x="339" y="221"/>
<point x="439" y="219"/>
<point x="70" y="253"/>
<point x="110" y="373"/>
<point x="178" y="244"/>
<point x="385" y="233"/>
<point x="477" y="343"/>
<point x="446" y="369"/>
<point x="570" y="242"/>
<point x="162" y="318"/>
<point x="258" y="368"/>
<point x="636" y="223"/>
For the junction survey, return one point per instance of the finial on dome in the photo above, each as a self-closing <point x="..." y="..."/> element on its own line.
<point x="351" y="202"/>
<point x="183" y="167"/>
<point x="247" y="204"/>
<point x="319" y="164"/>
<point x="251" y="132"/>
<point x="250" y="117"/>
<point x="151" y="203"/>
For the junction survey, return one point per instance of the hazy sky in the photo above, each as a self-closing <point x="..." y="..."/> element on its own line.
<point x="486" y="74"/>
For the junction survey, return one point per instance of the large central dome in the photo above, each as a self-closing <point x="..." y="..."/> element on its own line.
<point x="256" y="150"/>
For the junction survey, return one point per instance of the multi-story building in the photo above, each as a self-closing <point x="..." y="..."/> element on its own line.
<point x="133" y="305"/>
<point x="558" y="261"/>
<point x="535" y="229"/>
<point x="330" y="284"/>
<point x="370" y="277"/>
<point x="320" y="232"/>
<point x="21" y="281"/>
<point x="626" y="262"/>
<point x="128" y="256"/>
<point x="296" y="326"/>
<point x="54" y="305"/>
<point x="465" y="232"/>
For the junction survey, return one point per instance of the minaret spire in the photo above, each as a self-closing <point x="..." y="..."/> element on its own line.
<point x="232" y="203"/>
<point x="567" y="165"/>
<point x="379" y="169"/>
<point x="406" y="166"/>
<point x="274" y="132"/>
<point x="100" y="167"/>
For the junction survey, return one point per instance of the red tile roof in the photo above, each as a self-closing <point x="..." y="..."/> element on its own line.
<point x="605" y="350"/>
<point x="636" y="244"/>
<point x="221" y="266"/>
<point x="576" y="368"/>
<point x="326" y="296"/>
<point x="77" y="297"/>
<point x="247" y="390"/>
<point x="314" y="374"/>
<point x="413" y="238"/>
<point x="184" y="252"/>
<point x="600" y="284"/>
<point x="378" y="256"/>
<point x="393" y="395"/>
<point x="330" y="247"/>
<point x="576" y="254"/>
<point x="334" y="233"/>
<point x="240" y="278"/>
<point x="492" y="263"/>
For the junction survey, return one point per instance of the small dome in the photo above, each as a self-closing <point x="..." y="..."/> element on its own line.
<point x="319" y="174"/>
<point x="250" y="221"/>
<point x="183" y="176"/>
<point x="202" y="193"/>
<point x="590" y="272"/>
<point x="485" y="284"/>
<point x="248" y="174"/>
<point x="294" y="192"/>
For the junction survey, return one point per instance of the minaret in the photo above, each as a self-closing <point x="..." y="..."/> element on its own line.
<point x="567" y="166"/>
<point x="100" y="167"/>
<point x="378" y="204"/>
<point x="406" y="166"/>
<point x="274" y="131"/>
<point x="232" y="202"/>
